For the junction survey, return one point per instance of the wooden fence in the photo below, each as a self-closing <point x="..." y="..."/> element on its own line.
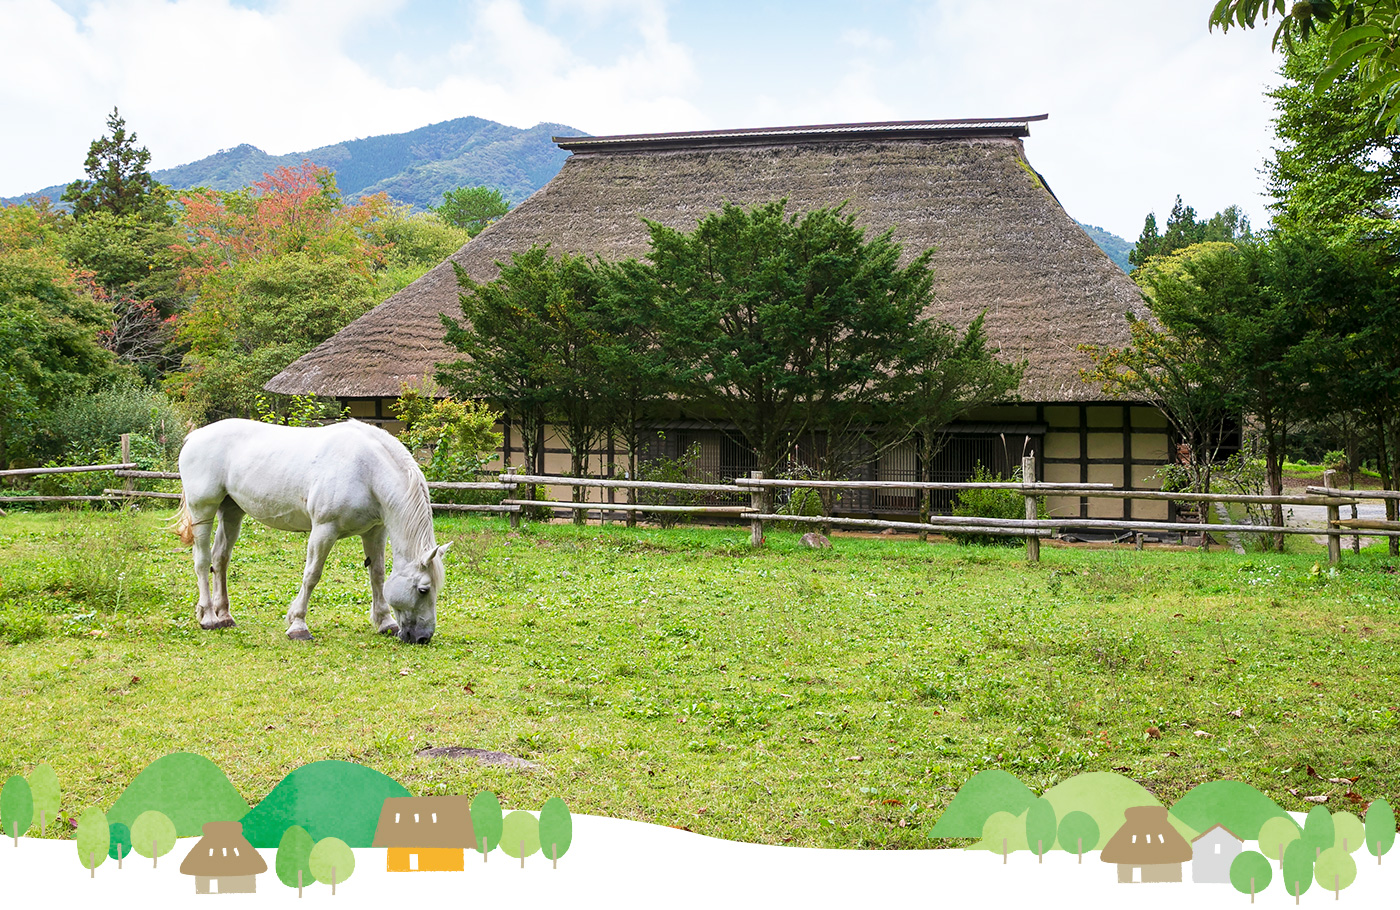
<point x="759" y="509"/>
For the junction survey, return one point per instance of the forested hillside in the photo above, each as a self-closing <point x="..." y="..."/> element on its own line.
<point x="1116" y="247"/>
<point x="416" y="167"/>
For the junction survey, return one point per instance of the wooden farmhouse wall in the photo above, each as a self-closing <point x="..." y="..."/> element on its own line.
<point x="1121" y="444"/>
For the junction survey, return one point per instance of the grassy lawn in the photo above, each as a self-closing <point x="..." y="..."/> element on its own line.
<point x="833" y="699"/>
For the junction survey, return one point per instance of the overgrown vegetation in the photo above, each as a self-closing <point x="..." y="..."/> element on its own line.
<point x="816" y="698"/>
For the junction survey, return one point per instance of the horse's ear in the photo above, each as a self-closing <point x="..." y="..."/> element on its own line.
<point x="438" y="553"/>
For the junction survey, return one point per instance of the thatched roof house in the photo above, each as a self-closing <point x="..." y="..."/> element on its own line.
<point x="965" y="188"/>
<point x="1147" y="848"/>
<point x="425" y="833"/>
<point x="223" y="862"/>
<point x="1003" y="244"/>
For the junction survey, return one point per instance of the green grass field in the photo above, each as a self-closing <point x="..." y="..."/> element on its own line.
<point x="833" y="699"/>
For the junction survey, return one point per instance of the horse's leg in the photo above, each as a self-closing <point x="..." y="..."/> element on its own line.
<point x="318" y="547"/>
<point x="230" y="523"/>
<point x="380" y="615"/>
<point x="204" y="610"/>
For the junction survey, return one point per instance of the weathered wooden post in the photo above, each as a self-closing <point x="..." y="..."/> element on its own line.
<point x="1028" y="478"/>
<point x="130" y="483"/>
<point x="1334" y="514"/>
<point x="757" y="498"/>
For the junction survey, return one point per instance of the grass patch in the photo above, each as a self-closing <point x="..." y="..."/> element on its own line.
<point x="818" y="698"/>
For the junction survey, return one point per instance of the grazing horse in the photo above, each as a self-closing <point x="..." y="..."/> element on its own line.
<point x="335" y="481"/>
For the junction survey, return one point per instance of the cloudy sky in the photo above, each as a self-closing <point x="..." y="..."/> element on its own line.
<point x="1144" y="102"/>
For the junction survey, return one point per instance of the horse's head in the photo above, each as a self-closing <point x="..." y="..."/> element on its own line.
<point x="411" y="590"/>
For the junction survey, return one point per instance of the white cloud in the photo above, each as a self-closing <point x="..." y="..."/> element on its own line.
<point x="193" y="76"/>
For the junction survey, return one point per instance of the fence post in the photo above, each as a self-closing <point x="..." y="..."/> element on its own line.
<point x="130" y="483"/>
<point x="1334" y="514"/>
<point x="1028" y="477"/>
<point x="756" y="501"/>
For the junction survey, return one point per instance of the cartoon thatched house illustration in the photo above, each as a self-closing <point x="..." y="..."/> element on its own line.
<point x="1147" y="848"/>
<point x="1212" y="852"/>
<point x="223" y="862"/>
<point x="425" y="833"/>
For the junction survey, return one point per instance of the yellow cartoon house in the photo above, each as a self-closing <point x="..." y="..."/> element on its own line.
<point x="425" y="833"/>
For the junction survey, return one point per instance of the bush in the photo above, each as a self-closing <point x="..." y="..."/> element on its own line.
<point x="804" y="501"/>
<point x="992" y="504"/>
<point x="685" y="468"/>
<point x="452" y="440"/>
<point x="92" y="425"/>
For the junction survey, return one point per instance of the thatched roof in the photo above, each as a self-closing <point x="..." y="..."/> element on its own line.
<point x="1003" y="243"/>
<point x="223" y="852"/>
<point x="1147" y="838"/>
<point x="422" y="822"/>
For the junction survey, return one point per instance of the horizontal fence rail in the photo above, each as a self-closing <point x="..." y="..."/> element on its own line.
<point x="757" y="488"/>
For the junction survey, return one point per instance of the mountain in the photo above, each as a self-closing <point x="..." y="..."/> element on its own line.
<point x="190" y="789"/>
<point x="1116" y="247"/>
<point x="1104" y="796"/>
<point x="327" y="798"/>
<point x="1236" y="805"/>
<point x="416" y="167"/>
<point x="985" y="793"/>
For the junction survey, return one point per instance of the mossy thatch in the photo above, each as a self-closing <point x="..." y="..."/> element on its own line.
<point x="1003" y="243"/>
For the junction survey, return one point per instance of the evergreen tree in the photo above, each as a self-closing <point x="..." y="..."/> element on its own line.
<point x="117" y="179"/>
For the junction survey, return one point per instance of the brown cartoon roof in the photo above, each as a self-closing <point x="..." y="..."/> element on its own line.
<point x="1222" y="828"/>
<point x="425" y="821"/>
<point x="1147" y="838"/>
<point x="223" y="851"/>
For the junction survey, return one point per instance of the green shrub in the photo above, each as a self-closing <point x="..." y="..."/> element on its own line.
<point x="18" y="625"/>
<point x="684" y="468"/>
<point x="992" y="504"/>
<point x="804" y="501"/>
<point x="92" y="425"/>
<point x="452" y="440"/>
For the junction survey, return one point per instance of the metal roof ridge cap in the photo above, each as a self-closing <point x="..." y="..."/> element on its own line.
<point x="869" y="126"/>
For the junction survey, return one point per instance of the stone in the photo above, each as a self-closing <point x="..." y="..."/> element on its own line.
<point x="815" y="541"/>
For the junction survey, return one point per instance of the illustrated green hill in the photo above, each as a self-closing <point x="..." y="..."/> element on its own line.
<point x="984" y="793"/>
<point x="188" y="788"/>
<point x="1236" y="805"/>
<point x="1104" y="796"/>
<point x="327" y="798"/>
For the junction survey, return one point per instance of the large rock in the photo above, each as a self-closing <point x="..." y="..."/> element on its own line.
<point x="815" y="541"/>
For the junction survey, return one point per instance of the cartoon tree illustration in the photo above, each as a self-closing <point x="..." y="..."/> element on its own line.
<point x="1318" y="830"/>
<point x="1275" y="835"/>
<point x="294" y="858"/>
<point x="153" y="835"/>
<point x="1348" y="832"/>
<point x="1040" y="828"/>
<point x="1077" y="831"/>
<point x="1297" y="872"/>
<point x="1003" y="833"/>
<point x="1380" y="828"/>
<point x="1251" y="873"/>
<point x="43" y="788"/>
<point x="94" y="839"/>
<point x="118" y="842"/>
<point x="520" y="835"/>
<point x="1335" y="870"/>
<point x="486" y="822"/>
<point x="331" y="861"/>
<point x="556" y="828"/>
<point x="16" y="807"/>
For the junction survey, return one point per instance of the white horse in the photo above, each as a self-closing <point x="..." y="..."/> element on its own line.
<point x="335" y="481"/>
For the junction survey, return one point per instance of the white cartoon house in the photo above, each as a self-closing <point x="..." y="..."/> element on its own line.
<point x="1212" y="852"/>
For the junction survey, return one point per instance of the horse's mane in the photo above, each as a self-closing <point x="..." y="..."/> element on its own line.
<point x="407" y="506"/>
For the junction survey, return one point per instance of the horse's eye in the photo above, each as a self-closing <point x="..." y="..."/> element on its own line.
<point x="423" y="589"/>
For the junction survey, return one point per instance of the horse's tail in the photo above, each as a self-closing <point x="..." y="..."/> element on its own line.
<point x="183" y="525"/>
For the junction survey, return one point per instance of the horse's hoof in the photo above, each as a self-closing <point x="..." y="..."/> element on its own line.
<point x="390" y="629"/>
<point x="299" y="634"/>
<point x="218" y="624"/>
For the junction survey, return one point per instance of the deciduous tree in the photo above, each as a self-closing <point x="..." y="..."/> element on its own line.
<point x="472" y="207"/>
<point x="1250" y="873"/>
<point x="331" y="861"/>
<point x="1380" y="828"/>
<point x="153" y="835"/>
<point x="294" y="858"/>
<point x="94" y="839"/>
